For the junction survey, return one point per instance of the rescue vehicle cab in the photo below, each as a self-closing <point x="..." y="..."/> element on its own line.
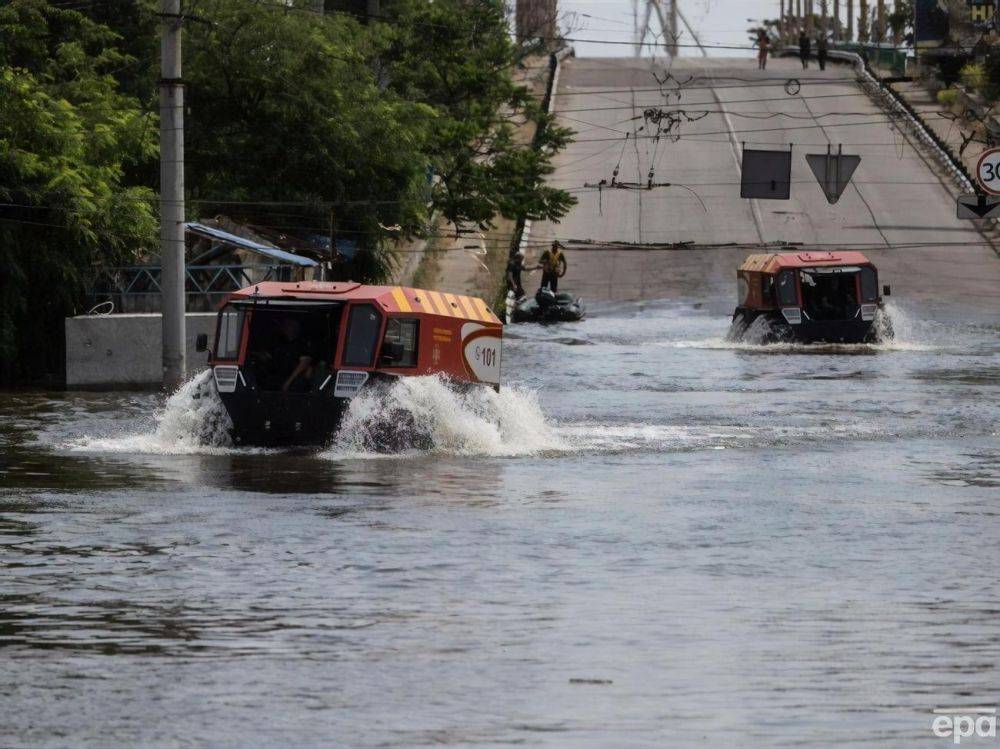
<point x="804" y="296"/>
<point x="288" y="357"/>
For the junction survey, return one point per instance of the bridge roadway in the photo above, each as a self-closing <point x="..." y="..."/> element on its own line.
<point x="897" y="196"/>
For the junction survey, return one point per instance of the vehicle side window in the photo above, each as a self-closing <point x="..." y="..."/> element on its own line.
<point x="230" y="333"/>
<point x="362" y="335"/>
<point x="869" y="285"/>
<point x="403" y="334"/>
<point x="787" y="294"/>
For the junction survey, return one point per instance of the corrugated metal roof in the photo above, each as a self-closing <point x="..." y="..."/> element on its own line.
<point x="248" y="244"/>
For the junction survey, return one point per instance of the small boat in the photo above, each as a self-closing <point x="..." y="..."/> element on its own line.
<point x="289" y="357"/>
<point x="546" y="307"/>
<point x="810" y="297"/>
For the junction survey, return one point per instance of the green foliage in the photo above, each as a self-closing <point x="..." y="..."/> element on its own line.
<point x="947" y="97"/>
<point x="900" y="20"/>
<point x="361" y="128"/>
<point x="456" y="55"/>
<point x="286" y="108"/>
<point x="973" y="76"/>
<point x="66" y="136"/>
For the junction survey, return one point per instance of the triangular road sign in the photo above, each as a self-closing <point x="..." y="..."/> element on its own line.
<point x="978" y="206"/>
<point x="833" y="172"/>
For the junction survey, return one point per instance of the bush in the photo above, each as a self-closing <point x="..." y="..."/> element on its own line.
<point x="947" y="97"/>
<point x="973" y="76"/>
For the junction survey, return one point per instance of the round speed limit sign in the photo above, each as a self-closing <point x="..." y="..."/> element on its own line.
<point x="988" y="171"/>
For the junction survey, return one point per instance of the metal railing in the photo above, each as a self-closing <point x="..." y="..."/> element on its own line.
<point x="137" y="288"/>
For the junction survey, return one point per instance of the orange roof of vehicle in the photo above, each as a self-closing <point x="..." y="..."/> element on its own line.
<point x="776" y="261"/>
<point x="389" y="298"/>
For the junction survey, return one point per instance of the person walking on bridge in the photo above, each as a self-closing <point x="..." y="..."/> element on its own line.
<point x="764" y="43"/>
<point x="822" y="50"/>
<point x="804" y="45"/>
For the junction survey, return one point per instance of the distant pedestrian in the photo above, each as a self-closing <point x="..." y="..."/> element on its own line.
<point x="804" y="44"/>
<point x="764" y="43"/>
<point x="822" y="49"/>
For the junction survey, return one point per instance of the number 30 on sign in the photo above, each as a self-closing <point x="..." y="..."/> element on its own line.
<point x="988" y="171"/>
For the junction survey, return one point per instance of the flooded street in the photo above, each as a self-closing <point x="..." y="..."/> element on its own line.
<point x="654" y="537"/>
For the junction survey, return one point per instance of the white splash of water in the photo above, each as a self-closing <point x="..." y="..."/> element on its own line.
<point x="897" y="331"/>
<point x="193" y="420"/>
<point x="428" y="413"/>
<point x="618" y="438"/>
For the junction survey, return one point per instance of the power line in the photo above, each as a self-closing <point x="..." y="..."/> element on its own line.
<point x="788" y="98"/>
<point x="754" y="130"/>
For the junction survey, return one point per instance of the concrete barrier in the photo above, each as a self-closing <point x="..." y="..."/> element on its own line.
<point x="124" y="351"/>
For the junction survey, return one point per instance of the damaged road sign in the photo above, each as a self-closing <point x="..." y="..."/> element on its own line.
<point x="833" y="171"/>
<point x="978" y="206"/>
<point x="766" y="174"/>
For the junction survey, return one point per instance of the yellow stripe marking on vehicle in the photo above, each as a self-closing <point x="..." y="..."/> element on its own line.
<point x="415" y="298"/>
<point x="401" y="301"/>
<point x="484" y="311"/>
<point x="470" y="310"/>
<point x="452" y="304"/>
<point x="442" y="308"/>
<point x="453" y="307"/>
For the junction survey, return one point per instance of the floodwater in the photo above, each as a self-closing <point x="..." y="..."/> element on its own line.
<point x="654" y="538"/>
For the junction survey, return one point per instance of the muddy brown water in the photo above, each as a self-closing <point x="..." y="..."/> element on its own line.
<point x="656" y="538"/>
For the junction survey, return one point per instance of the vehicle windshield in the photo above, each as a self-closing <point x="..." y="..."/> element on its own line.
<point x="291" y="349"/>
<point x="829" y="295"/>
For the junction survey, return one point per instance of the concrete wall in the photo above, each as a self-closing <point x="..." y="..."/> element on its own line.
<point x="105" y="351"/>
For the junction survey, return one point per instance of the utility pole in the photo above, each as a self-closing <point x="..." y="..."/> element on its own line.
<point x="172" y="194"/>
<point x="673" y="30"/>
<point x="668" y="26"/>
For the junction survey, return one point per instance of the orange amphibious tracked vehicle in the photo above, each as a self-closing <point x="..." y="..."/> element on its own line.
<point x="288" y="357"/>
<point x="804" y="296"/>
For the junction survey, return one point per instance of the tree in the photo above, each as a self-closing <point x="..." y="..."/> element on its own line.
<point x="900" y="21"/>
<point x="284" y="108"/>
<point x="456" y="55"/>
<point x="67" y="137"/>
